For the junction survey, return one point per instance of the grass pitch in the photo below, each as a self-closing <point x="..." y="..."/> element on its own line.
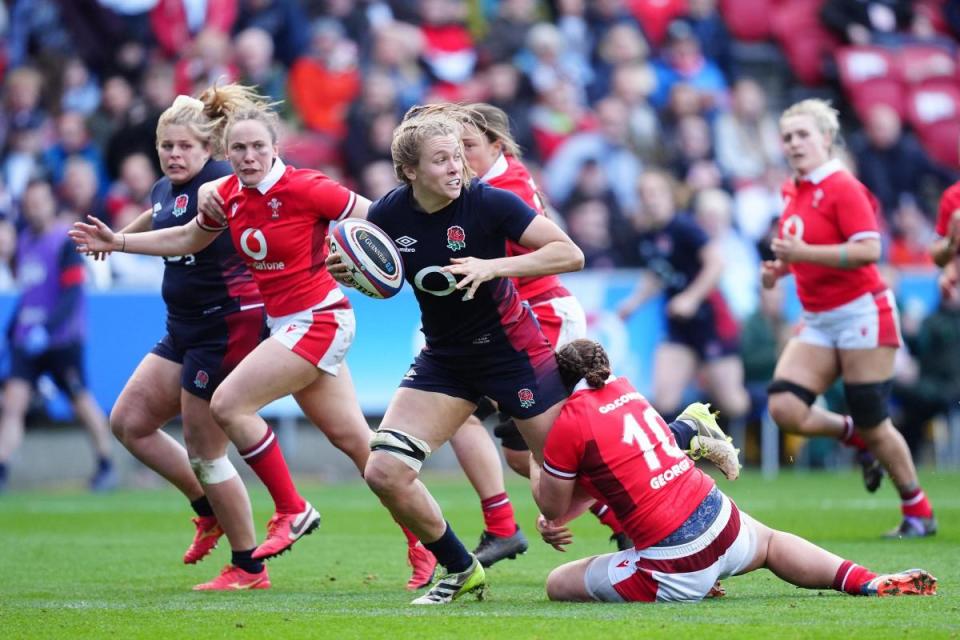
<point x="76" y="565"/>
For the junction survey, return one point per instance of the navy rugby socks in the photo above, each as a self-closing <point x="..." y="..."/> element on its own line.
<point x="450" y="552"/>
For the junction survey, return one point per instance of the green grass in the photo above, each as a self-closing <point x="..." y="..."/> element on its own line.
<point x="76" y="565"/>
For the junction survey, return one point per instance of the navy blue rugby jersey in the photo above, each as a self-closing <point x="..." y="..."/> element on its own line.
<point x="477" y="224"/>
<point x="212" y="282"/>
<point x="673" y="252"/>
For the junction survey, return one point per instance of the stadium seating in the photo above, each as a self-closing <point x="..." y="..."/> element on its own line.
<point x="934" y="113"/>
<point x="927" y="65"/>
<point x="748" y="20"/>
<point x="870" y="76"/>
<point x="796" y="26"/>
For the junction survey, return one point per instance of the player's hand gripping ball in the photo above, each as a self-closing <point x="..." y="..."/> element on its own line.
<point x="371" y="256"/>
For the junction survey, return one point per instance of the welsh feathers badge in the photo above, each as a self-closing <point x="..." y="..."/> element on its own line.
<point x="456" y="238"/>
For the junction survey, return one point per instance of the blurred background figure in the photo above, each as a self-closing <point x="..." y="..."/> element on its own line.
<point x="133" y="188"/>
<point x="330" y="62"/>
<point x="685" y="264"/>
<point x="740" y="282"/>
<point x="47" y="333"/>
<point x="746" y="136"/>
<point x="253" y="52"/>
<point x="893" y="165"/>
<point x="931" y="386"/>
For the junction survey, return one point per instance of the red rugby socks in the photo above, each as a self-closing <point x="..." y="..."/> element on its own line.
<point x="851" y="577"/>
<point x="267" y="461"/>
<point x="498" y="517"/>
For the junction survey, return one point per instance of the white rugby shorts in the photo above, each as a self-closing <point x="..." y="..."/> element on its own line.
<point x="562" y="320"/>
<point x="321" y="335"/>
<point x="684" y="573"/>
<point x="866" y="322"/>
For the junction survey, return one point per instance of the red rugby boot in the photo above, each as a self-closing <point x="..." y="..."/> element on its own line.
<point x="284" y="529"/>
<point x="424" y="564"/>
<point x="233" y="578"/>
<point x="205" y="540"/>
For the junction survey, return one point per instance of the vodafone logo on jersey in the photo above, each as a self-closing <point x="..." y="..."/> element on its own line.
<point x="793" y="226"/>
<point x="254" y="244"/>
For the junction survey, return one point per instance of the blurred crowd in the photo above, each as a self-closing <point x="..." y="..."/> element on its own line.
<point x="599" y="92"/>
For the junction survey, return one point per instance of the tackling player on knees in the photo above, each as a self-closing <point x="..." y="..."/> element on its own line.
<point x="687" y="533"/>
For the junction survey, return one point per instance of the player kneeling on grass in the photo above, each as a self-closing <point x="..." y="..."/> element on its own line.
<point x="609" y="442"/>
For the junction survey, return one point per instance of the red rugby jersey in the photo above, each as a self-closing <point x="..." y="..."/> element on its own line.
<point x="949" y="202"/>
<point x="830" y="206"/>
<point x="622" y="452"/>
<point x="280" y="229"/>
<point x="509" y="174"/>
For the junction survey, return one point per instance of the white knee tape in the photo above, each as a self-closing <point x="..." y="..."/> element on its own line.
<point x="403" y="446"/>
<point x="213" y="471"/>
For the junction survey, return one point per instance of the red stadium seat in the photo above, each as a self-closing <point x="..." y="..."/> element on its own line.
<point x="929" y="106"/>
<point x="927" y="64"/>
<point x="869" y="76"/>
<point x="934" y="113"/>
<point x="796" y="25"/>
<point x="748" y="20"/>
<point x="942" y="142"/>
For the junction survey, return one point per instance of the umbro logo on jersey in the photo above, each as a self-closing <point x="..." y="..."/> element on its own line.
<point x="409" y="375"/>
<point x="275" y="205"/>
<point x="622" y="564"/>
<point x="233" y="209"/>
<point x="156" y="209"/>
<point x="405" y="244"/>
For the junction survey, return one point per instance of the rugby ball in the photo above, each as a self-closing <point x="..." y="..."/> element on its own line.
<point x="374" y="262"/>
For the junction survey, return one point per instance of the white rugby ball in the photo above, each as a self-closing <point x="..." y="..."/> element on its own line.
<point x="374" y="262"/>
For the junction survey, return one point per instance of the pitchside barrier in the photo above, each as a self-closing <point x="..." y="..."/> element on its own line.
<point x="124" y="325"/>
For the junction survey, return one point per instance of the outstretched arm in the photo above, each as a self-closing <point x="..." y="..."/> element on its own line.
<point x="175" y="241"/>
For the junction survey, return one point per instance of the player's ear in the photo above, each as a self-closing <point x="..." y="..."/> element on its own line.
<point x="410" y="172"/>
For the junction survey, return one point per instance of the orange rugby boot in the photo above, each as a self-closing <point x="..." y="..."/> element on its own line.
<point x="234" y="578"/>
<point x="912" y="582"/>
<point x="205" y="540"/>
